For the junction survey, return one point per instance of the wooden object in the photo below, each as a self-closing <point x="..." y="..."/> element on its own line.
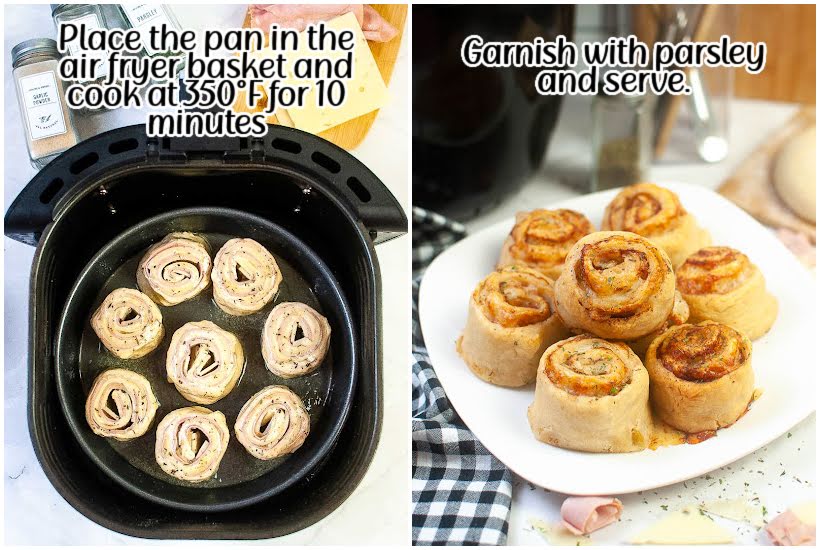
<point x="750" y="186"/>
<point x="789" y="31"/>
<point x="350" y="134"/>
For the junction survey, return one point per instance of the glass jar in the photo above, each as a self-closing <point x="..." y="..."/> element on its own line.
<point x="621" y="140"/>
<point x="93" y="16"/>
<point x="41" y="98"/>
<point x="144" y="17"/>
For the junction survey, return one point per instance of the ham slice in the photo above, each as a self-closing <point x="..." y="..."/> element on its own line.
<point x="788" y="529"/>
<point x="299" y="16"/>
<point x="583" y="515"/>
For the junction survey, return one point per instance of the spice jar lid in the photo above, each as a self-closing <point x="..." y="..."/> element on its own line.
<point x="57" y="7"/>
<point x="33" y="46"/>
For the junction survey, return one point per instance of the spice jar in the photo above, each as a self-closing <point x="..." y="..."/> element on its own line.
<point x="93" y="16"/>
<point x="621" y="140"/>
<point x="41" y="99"/>
<point x="144" y="17"/>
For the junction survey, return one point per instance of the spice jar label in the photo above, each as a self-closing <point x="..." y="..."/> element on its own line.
<point x="43" y="105"/>
<point x="144" y="17"/>
<point x="91" y="22"/>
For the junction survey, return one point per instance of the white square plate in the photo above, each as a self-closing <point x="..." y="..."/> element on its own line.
<point x="783" y="360"/>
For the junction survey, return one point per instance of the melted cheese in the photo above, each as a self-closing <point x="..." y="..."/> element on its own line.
<point x="687" y="526"/>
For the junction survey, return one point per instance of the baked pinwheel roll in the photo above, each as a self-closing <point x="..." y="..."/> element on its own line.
<point x="615" y="285"/>
<point x="721" y="284"/>
<point x="701" y="376"/>
<point x="273" y="423"/>
<point x="120" y="405"/>
<point x="175" y="269"/>
<point x="510" y="322"/>
<point x="541" y="239"/>
<point x="204" y="362"/>
<point x="591" y="395"/>
<point x="128" y="323"/>
<point x="191" y="443"/>
<point x="245" y="276"/>
<point x="678" y="316"/>
<point x="657" y="214"/>
<point x="295" y="339"/>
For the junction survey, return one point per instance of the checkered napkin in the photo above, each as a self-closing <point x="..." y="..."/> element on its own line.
<point x="461" y="493"/>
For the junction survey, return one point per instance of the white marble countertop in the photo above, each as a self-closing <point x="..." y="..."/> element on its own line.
<point x="29" y="496"/>
<point x="782" y="473"/>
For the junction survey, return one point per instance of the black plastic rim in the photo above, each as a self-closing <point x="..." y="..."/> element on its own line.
<point x="268" y="485"/>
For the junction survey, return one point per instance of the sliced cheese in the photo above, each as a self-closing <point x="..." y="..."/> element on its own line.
<point x="558" y="535"/>
<point x="686" y="526"/>
<point x="366" y="90"/>
<point x="736" y="510"/>
<point x="806" y="512"/>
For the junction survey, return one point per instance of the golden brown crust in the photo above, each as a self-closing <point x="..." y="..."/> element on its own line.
<point x="714" y="270"/>
<point x="615" y="285"/>
<point x="705" y="352"/>
<point x="657" y="214"/>
<point x="510" y="323"/>
<point x="515" y="296"/>
<point x="587" y="366"/>
<point x="645" y="209"/>
<point x="591" y="395"/>
<point x="542" y="238"/>
<point x="721" y="284"/>
<point x="701" y="376"/>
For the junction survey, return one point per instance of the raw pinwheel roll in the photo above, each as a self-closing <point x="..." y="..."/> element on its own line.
<point x="245" y="276"/>
<point x="510" y="322"/>
<point x="204" y="362"/>
<point x="657" y="214"/>
<point x="701" y="375"/>
<point x="128" y="323"/>
<point x="175" y="269"/>
<point x="615" y="285"/>
<point x="721" y="284"/>
<point x="541" y="239"/>
<point x="295" y="339"/>
<point x="273" y="423"/>
<point x="591" y="395"/>
<point x="191" y="443"/>
<point x="120" y="405"/>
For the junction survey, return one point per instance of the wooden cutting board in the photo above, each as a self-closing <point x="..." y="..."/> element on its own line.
<point x="751" y="188"/>
<point x="350" y="134"/>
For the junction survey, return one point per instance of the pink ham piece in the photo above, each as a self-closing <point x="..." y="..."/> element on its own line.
<point x="299" y="16"/>
<point x="583" y="515"/>
<point x="789" y="530"/>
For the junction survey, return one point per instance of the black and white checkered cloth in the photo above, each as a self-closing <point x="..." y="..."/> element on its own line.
<point x="461" y="493"/>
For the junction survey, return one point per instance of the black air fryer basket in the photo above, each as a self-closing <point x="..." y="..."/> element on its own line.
<point x="104" y="186"/>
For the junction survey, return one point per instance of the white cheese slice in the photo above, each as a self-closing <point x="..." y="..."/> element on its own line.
<point x="736" y="510"/>
<point x="366" y="90"/>
<point x="686" y="526"/>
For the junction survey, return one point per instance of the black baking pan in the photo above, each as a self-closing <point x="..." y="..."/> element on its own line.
<point x="105" y="185"/>
<point x="241" y="479"/>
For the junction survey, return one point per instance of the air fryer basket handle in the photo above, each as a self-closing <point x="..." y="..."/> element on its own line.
<point x="369" y="199"/>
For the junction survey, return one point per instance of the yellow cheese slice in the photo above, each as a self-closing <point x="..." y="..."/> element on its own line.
<point x="558" y="535"/>
<point x="366" y="90"/>
<point x="806" y="512"/>
<point x="687" y="526"/>
<point x="736" y="510"/>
